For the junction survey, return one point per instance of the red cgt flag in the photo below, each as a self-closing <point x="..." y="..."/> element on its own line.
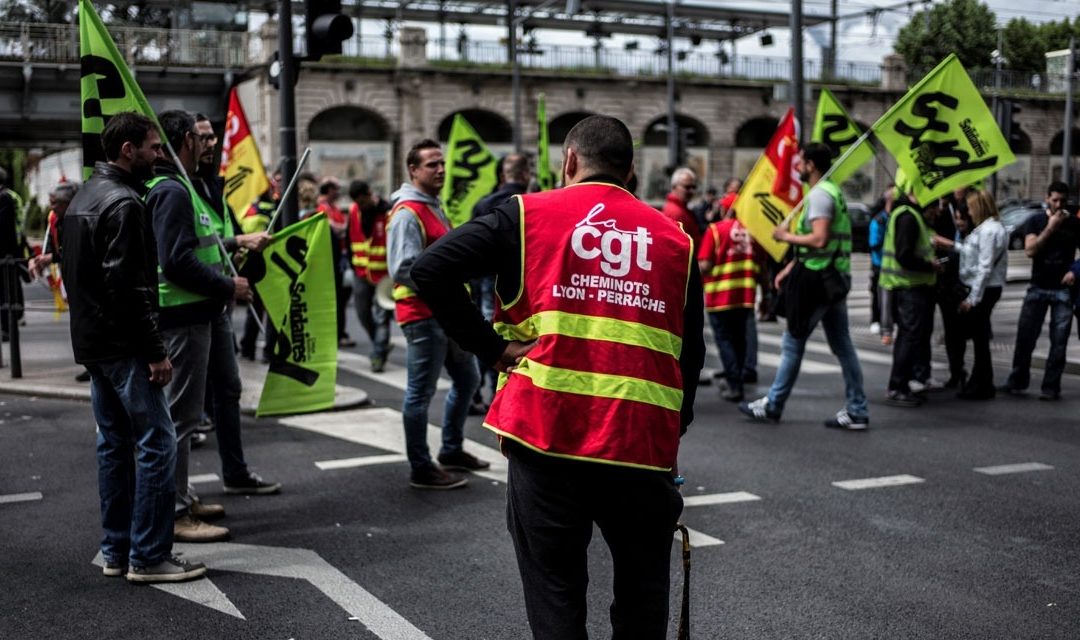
<point x="783" y="152"/>
<point x="245" y="177"/>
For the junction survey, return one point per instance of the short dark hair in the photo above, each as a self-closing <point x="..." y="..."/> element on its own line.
<point x="1057" y="186"/>
<point x="413" y="157"/>
<point x="358" y="188"/>
<point x="201" y="118"/>
<point x="515" y="167"/>
<point x="176" y="124"/>
<point x="604" y="144"/>
<point x="126" y="126"/>
<point x="820" y="154"/>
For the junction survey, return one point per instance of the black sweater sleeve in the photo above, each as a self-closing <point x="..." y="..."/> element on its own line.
<point x="482" y="247"/>
<point x="907" y="242"/>
<point x="170" y="206"/>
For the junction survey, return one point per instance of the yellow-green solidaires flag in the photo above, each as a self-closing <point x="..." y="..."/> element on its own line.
<point x="470" y="172"/>
<point x="544" y="176"/>
<point x="942" y="134"/>
<point x="835" y="128"/>
<point x="294" y="277"/>
<point x="107" y="85"/>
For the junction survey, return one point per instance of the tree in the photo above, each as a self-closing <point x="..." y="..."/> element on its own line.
<point x="964" y="27"/>
<point x="1024" y="46"/>
<point x="51" y="11"/>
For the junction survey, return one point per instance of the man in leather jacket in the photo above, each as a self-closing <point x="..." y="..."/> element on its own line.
<point x="109" y="265"/>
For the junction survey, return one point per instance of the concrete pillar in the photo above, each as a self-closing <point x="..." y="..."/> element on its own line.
<point x="894" y="73"/>
<point x="413" y="52"/>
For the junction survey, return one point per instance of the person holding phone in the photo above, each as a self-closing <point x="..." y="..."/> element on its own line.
<point x="1051" y="241"/>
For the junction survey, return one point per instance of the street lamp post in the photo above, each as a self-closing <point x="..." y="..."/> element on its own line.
<point x="672" y="126"/>
<point x="797" y="65"/>
<point x="287" y="102"/>
<point x="1066" y="149"/>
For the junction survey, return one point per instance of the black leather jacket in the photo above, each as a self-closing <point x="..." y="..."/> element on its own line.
<point x="110" y="270"/>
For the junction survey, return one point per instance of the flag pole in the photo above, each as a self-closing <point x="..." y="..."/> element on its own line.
<point x="221" y="245"/>
<point x="844" y="156"/>
<point x="288" y="189"/>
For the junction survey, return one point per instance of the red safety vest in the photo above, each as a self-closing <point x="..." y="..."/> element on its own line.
<point x="603" y="294"/>
<point x="732" y="281"/>
<point x="409" y="307"/>
<point x="358" y="244"/>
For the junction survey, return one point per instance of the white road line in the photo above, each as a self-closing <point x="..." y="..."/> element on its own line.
<point x="381" y="428"/>
<point x="204" y="478"/>
<point x="699" y="539"/>
<point x="874" y="483"/>
<point x="21" y="497"/>
<point x="1020" y="467"/>
<point x="719" y="498"/>
<point x="364" y="461"/>
<point x="808" y="366"/>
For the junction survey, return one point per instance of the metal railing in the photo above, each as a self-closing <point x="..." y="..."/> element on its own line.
<point x="59" y="43"/>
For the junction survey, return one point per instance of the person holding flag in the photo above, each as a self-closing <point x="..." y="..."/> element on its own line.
<point x="816" y="284"/>
<point x="416" y="222"/>
<point x="193" y="292"/>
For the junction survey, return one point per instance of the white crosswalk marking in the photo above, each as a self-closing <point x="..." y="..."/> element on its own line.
<point x="875" y="483"/>
<point x="20" y="497"/>
<point x="719" y="498"/>
<point x="1021" y="467"/>
<point x="204" y="478"/>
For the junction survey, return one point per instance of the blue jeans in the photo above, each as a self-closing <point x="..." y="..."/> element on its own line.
<point x="136" y="454"/>
<point x="834" y="319"/>
<point x="428" y="351"/>
<point x="1032" y="314"/>
<point x="729" y="328"/>
<point x="373" y="318"/>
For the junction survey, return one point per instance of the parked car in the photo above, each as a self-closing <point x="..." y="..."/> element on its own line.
<point x="1013" y="218"/>
<point x="860" y="226"/>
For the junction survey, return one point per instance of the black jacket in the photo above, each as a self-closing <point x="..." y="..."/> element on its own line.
<point x="110" y="270"/>
<point x="172" y="213"/>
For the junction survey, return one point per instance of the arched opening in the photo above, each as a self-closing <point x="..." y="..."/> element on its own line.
<point x="1057" y="143"/>
<point x="490" y="126"/>
<point x="561" y="125"/>
<point x="352" y="143"/>
<point x="348" y="122"/>
<point x="755" y="133"/>
<point x="654" y="175"/>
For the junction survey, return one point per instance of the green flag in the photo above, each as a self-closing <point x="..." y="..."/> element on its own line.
<point x="543" y="159"/>
<point x="470" y="172"/>
<point x="294" y="277"/>
<point x="107" y="85"/>
<point x="942" y="133"/>
<point x="834" y="127"/>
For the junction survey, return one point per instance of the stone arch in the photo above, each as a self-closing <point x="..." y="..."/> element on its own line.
<point x="492" y="127"/>
<point x="349" y="122"/>
<point x="561" y="125"/>
<point x="656" y="131"/>
<point x="1021" y="143"/>
<point x="756" y="132"/>
<point x="1057" y="143"/>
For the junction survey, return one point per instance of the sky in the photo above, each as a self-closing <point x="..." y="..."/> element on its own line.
<point x="861" y="38"/>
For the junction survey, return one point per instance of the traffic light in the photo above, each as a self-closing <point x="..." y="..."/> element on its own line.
<point x="1010" y="128"/>
<point x="325" y="28"/>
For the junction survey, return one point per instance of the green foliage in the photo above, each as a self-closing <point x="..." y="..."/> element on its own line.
<point x="1026" y="44"/>
<point x="964" y="27"/>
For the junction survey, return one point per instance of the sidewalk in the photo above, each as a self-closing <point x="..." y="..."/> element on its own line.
<point x="48" y="369"/>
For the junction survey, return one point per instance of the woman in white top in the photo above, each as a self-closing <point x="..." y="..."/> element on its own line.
<point x="984" y="260"/>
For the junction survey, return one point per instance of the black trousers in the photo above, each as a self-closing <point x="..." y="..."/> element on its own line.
<point x="978" y="326"/>
<point x="914" y="315"/>
<point x="953" y="324"/>
<point x="875" y="301"/>
<point x="551" y="505"/>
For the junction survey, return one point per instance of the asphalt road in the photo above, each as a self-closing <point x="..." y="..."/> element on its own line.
<point x="952" y="546"/>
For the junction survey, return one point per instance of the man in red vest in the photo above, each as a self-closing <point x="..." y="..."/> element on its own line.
<point x="367" y="243"/>
<point x="416" y="221"/>
<point x="599" y="333"/>
<point x="730" y="274"/>
<point x="677" y="204"/>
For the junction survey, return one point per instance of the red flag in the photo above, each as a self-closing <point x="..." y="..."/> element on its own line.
<point x="783" y="152"/>
<point x="245" y="177"/>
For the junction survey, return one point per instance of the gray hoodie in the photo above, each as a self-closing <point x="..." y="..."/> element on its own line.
<point x="404" y="238"/>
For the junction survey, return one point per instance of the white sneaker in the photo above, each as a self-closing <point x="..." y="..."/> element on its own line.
<point x="845" y="421"/>
<point x="916" y="386"/>
<point x="875" y="327"/>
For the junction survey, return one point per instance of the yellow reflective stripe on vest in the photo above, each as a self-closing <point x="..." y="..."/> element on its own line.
<point x="377" y="250"/>
<point x="358" y="246"/>
<point x="600" y="385"/>
<point x="401" y="292"/>
<point x="728" y="285"/>
<point x="576" y="325"/>
<point x="732" y="267"/>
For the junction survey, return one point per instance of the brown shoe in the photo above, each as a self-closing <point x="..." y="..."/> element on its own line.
<point x="206" y="511"/>
<point x="191" y="529"/>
